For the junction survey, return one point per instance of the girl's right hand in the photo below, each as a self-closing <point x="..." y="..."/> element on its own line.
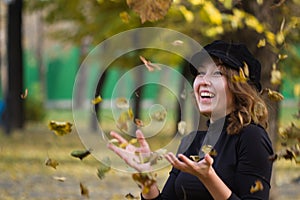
<point x="131" y="154"/>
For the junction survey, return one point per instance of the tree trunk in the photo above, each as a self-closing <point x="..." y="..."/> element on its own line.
<point x="99" y="89"/>
<point x="14" y="112"/>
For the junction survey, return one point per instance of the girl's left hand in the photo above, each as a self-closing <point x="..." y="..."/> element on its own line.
<point x="201" y="169"/>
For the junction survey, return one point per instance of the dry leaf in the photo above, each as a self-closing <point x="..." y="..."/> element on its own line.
<point x="273" y="95"/>
<point x="177" y="43"/>
<point x="122" y="102"/>
<point x="150" y="10"/>
<point x="208" y="149"/>
<point x="97" y="100"/>
<point x="159" y="115"/>
<point x="60" y="128"/>
<point x="124" y="17"/>
<point x="240" y="78"/>
<point x="181" y="127"/>
<point x="130" y="196"/>
<point x="195" y="158"/>
<point x="104" y="168"/>
<point x="81" y="154"/>
<point x="145" y="180"/>
<point x="258" y="186"/>
<point x="275" y="75"/>
<point x="51" y="163"/>
<point x="84" y="191"/>
<point x="59" y="178"/>
<point x="261" y="43"/>
<point x="23" y="96"/>
<point x="138" y="122"/>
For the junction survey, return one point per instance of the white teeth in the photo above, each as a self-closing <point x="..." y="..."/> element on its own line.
<point x="206" y="94"/>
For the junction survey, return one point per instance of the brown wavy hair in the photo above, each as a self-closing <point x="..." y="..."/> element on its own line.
<point x="249" y="107"/>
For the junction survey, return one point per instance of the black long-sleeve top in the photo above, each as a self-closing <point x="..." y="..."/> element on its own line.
<point x="241" y="160"/>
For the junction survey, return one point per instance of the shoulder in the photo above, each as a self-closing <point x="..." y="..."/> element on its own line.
<point x="254" y="136"/>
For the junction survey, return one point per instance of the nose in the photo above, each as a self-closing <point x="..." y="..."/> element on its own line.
<point x="205" y="80"/>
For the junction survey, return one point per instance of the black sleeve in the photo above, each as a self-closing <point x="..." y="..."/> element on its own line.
<point x="253" y="150"/>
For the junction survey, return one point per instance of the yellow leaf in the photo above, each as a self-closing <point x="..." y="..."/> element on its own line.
<point x="214" y="14"/>
<point x="181" y="127"/>
<point x="122" y="102"/>
<point x="270" y="38"/>
<point x="275" y="76"/>
<point x="60" y="128"/>
<point x="253" y="23"/>
<point x="188" y="15"/>
<point x="197" y="2"/>
<point x="240" y="78"/>
<point x="258" y="186"/>
<point x="103" y="168"/>
<point x="261" y="43"/>
<point x="282" y="56"/>
<point x="97" y="100"/>
<point x="213" y="31"/>
<point x="124" y="17"/>
<point x="51" y="163"/>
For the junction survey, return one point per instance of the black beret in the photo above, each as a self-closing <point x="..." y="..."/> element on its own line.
<point x="232" y="55"/>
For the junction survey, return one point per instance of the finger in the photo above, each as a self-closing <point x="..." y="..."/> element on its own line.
<point x="118" y="137"/>
<point x="208" y="159"/>
<point x="141" y="138"/>
<point x="174" y="160"/>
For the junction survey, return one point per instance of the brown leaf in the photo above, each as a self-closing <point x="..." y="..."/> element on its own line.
<point x="84" y="191"/>
<point x="150" y="10"/>
<point x="258" y="186"/>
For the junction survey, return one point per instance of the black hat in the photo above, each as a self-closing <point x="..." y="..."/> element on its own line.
<point x="232" y="55"/>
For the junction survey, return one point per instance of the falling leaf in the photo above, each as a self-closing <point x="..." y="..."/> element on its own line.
<point x="177" y="43"/>
<point x="181" y="127"/>
<point x="124" y="118"/>
<point x="59" y="178"/>
<point x="261" y="43"/>
<point x="130" y="196"/>
<point x="150" y="10"/>
<point x="275" y="75"/>
<point x="60" y="128"/>
<point x="138" y="122"/>
<point x="156" y="156"/>
<point x="23" y="96"/>
<point x="84" y="191"/>
<point x="288" y="153"/>
<point x="282" y="56"/>
<point x="273" y="95"/>
<point x="144" y="179"/>
<point x="258" y="186"/>
<point x="241" y="77"/>
<point x="150" y="66"/>
<point x="208" y="149"/>
<point x="81" y="154"/>
<point x="122" y="102"/>
<point x="51" y="163"/>
<point x="124" y="17"/>
<point x="195" y="158"/>
<point x="104" y="168"/>
<point x="97" y="100"/>
<point x="159" y="115"/>
<point x="188" y="15"/>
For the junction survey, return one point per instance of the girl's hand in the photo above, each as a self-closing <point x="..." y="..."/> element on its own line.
<point x="131" y="154"/>
<point x="201" y="169"/>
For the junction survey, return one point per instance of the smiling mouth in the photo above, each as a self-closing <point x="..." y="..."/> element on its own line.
<point x="206" y="95"/>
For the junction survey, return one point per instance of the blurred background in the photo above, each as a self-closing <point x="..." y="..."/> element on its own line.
<point x="43" y="44"/>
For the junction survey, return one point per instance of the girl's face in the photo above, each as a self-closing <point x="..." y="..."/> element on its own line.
<point x="211" y="91"/>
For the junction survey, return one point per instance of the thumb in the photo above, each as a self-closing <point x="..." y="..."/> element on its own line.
<point x="208" y="159"/>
